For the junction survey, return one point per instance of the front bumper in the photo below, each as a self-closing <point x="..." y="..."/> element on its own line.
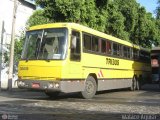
<point x="39" y="85"/>
<point x="65" y="86"/>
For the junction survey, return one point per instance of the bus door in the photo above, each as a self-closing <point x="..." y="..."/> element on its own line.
<point x="75" y="55"/>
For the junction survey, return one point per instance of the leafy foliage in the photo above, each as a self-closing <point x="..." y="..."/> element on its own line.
<point x="158" y="10"/>
<point x="37" y="18"/>
<point x="124" y="19"/>
<point x="18" y="47"/>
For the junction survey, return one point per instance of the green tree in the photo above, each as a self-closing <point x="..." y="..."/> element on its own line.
<point x="129" y="10"/>
<point x="158" y="10"/>
<point x="124" y="19"/>
<point x="157" y="32"/>
<point x="146" y="33"/>
<point x="19" y="42"/>
<point x="115" y="22"/>
<point x="37" y="18"/>
<point x="80" y="11"/>
<point x="157" y="25"/>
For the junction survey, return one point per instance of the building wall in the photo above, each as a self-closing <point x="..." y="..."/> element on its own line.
<point x="6" y="14"/>
<point x="24" y="11"/>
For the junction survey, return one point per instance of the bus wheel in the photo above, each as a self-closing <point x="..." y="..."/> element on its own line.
<point x="52" y="94"/>
<point x="139" y="82"/>
<point x="134" y="83"/>
<point x="90" y="88"/>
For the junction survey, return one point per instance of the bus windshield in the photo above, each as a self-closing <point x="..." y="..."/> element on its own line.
<point x="45" y="44"/>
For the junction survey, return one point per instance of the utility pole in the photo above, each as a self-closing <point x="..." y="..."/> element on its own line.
<point x="1" y="50"/>
<point x="11" y="62"/>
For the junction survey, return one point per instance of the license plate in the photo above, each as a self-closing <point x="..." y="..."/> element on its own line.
<point x="35" y="85"/>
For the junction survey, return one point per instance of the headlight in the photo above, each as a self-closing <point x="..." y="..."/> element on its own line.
<point x="21" y="83"/>
<point x="50" y="85"/>
<point x="53" y="85"/>
<point x="56" y="85"/>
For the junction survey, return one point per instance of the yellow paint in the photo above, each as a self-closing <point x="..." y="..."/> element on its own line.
<point x="90" y="63"/>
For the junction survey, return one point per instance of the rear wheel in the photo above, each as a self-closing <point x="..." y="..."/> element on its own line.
<point x="52" y="94"/>
<point x="90" y="88"/>
<point x="139" y="82"/>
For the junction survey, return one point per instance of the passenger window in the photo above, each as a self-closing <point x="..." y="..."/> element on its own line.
<point x="87" y="42"/>
<point x="75" y="46"/>
<point x="95" y="45"/>
<point x="119" y="53"/>
<point x="125" y="52"/>
<point x="129" y="52"/>
<point x="115" y="49"/>
<point x="103" y="46"/>
<point x="135" y="54"/>
<point x="108" y="46"/>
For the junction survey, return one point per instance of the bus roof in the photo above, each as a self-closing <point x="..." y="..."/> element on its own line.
<point x="87" y="30"/>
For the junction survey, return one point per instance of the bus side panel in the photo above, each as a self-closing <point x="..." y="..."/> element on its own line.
<point x="112" y="75"/>
<point x="72" y="86"/>
<point x="72" y="80"/>
<point x="114" y="84"/>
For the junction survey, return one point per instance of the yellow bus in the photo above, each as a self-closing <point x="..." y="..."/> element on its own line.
<point x="69" y="57"/>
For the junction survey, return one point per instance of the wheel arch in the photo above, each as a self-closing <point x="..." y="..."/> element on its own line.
<point x="95" y="77"/>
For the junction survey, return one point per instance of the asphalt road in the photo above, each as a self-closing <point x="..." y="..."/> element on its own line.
<point x="115" y="104"/>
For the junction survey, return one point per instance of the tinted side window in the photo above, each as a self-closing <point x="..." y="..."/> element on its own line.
<point x="144" y="56"/>
<point x="108" y="46"/>
<point x="75" y="46"/>
<point x="115" y="49"/>
<point x="135" y="54"/>
<point x="95" y="44"/>
<point x="126" y="52"/>
<point x="87" y="42"/>
<point x="103" y="46"/>
<point x="119" y="50"/>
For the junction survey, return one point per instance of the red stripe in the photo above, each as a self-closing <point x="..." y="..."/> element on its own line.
<point x="101" y="73"/>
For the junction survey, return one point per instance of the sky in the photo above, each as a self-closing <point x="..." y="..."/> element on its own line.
<point x="150" y="5"/>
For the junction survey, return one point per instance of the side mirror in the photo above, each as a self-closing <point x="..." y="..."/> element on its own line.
<point x="73" y="41"/>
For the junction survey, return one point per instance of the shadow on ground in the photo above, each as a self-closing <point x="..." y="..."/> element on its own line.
<point x="148" y="89"/>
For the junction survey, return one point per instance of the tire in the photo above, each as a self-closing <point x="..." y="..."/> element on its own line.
<point x="134" y="84"/>
<point x="137" y="84"/>
<point x="52" y="94"/>
<point x="90" y="88"/>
